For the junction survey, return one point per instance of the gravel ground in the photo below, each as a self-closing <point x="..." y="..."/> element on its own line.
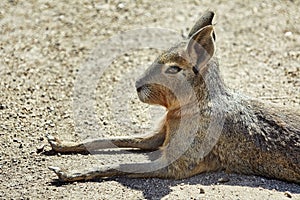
<point x="45" y="44"/>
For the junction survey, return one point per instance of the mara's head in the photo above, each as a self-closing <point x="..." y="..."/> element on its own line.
<point x="177" y="73"/>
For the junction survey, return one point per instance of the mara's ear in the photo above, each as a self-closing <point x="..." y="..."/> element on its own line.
<point x="201" y="47"/>
<point x="205" y="20"/>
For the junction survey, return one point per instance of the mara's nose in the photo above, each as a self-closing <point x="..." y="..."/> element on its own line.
<point x="138" y="85"/>
<point x="139" y="89"/>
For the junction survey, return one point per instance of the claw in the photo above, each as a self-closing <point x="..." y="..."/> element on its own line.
<point x="59" y="172"/>
<point x="54" y="142"/>
<point x="51" y="139"/>
<point x="55" y="169"/>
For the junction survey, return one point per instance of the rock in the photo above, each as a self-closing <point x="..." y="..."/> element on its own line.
<point x="17" y="140"/>
<point x="223" y="180"/>
<point x="288" y="194"/>
<point x="40" y="148"/>
<point x="288" y="34"/>
<point x="121" y="5"/>
<point x="202" y="191"/>
<point x="2" y="107"/>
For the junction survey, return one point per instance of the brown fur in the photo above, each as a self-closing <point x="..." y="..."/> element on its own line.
<point x="207" y="127"/>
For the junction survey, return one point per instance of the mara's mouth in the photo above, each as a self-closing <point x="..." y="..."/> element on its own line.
<point x="144" y="93"/>
<point x="154" y="94"/>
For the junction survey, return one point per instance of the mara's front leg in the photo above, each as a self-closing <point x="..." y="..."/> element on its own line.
<point x="158" y="169"/>
<point x="143" y="142"/>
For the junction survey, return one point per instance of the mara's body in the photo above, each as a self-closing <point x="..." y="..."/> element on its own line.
<point x="206" y="128"/>
<point x="261" y="140"/>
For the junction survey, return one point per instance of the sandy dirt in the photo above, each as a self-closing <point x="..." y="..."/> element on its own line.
<point x="43" y="47"/>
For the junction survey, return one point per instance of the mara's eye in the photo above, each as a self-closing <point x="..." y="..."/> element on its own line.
<point x="173" y="69"/>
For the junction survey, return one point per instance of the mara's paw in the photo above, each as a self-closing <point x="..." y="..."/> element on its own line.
<point x="54" y="142"/>
<point x="65" y="146"/>
<point x="62" y="175"/>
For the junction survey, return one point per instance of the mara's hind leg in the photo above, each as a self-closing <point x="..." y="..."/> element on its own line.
<point x="144" y="142"/>
<point x="154" y="169"/>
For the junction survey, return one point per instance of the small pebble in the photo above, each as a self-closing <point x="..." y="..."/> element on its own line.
<point x="16" y="140"/>
<point x="121" y="5"/>
<point x="40" y="148"/>
<point x="223" y="180"/>
<point x="2" y="107"/>
<point x="202" y="191"/>
<point x="288" y="34"/>
<point x="288" y="194"/>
